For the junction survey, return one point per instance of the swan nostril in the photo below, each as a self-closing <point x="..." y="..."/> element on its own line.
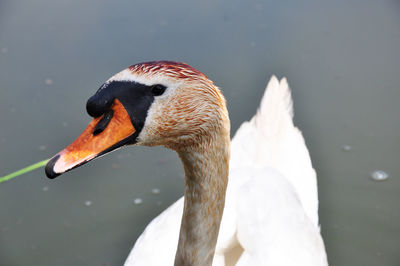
<point x="102" y="124"/>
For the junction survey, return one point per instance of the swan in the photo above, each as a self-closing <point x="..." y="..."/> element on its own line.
<point x="252" y="201"/>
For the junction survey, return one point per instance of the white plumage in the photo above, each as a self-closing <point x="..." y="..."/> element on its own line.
<point x="271" y="207"/>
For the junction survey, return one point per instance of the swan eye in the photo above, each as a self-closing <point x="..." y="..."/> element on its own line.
<point x="158" y="89"/>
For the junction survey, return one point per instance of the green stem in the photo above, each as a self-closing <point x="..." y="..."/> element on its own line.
<point x="23" y="170"/>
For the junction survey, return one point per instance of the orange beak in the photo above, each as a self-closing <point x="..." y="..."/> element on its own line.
<point x="102" y="135"/>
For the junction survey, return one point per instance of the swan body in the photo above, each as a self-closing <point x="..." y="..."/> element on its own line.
<point x="250" y="202"/>
<point x="271" y="207"/>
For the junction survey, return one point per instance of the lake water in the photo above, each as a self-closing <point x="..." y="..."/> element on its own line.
<point x="341" y="58"/>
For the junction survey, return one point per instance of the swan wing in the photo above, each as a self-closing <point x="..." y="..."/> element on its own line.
<point x="270" y="140"/>
<point x="272" y="226"/>
<point x="271" y="212"/>
<point x="158" y="243"/>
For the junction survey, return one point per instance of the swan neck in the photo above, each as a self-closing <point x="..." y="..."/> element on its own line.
<point x="206" y="168"/>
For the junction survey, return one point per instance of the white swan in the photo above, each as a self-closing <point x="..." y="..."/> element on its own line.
<point x="271" y="207"/>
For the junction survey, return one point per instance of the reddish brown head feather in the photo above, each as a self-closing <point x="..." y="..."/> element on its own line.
<point x="172" y="69"/>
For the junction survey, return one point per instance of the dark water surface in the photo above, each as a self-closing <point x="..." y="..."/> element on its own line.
<point x="342" y="59"/>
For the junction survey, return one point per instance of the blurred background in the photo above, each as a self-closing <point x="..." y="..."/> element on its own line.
<point x="341" y="58"/>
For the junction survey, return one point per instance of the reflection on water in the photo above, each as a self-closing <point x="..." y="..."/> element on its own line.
<point x="88" y="203"/>
<point x="138" y="201"/>
<point x="347" y="148"/>
<point x="379" y="175"/>
<point x="341" y="59"/>
<point x="155" y="191"/>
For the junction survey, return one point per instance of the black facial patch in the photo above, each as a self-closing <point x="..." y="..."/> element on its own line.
<point x="135" y="97"/>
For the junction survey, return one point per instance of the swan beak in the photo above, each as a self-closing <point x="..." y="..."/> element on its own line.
<point x="104" y="134"/>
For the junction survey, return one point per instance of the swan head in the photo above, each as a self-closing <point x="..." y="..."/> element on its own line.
<point x="153" y="103"/>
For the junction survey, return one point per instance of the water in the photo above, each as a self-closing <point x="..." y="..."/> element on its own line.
<point x="341" y="59"/>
